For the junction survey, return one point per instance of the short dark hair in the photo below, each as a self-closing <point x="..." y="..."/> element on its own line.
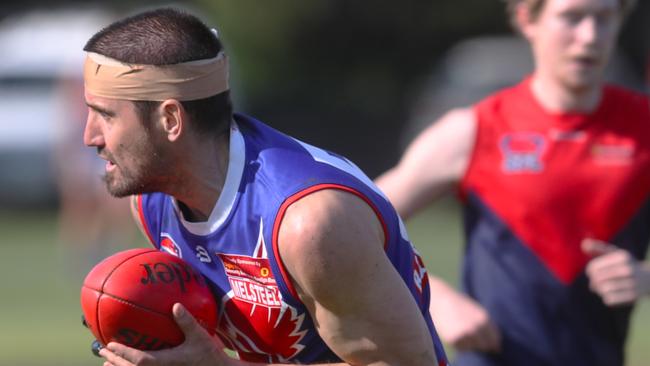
<point x="167" y="36"/>
<point x="535" y="8"/>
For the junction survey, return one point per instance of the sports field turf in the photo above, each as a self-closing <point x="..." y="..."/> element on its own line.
<point x="39" y="303"/>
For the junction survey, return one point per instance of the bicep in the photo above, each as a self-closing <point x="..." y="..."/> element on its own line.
<point x="332" y="245"/>
<point x="432" y="163"/>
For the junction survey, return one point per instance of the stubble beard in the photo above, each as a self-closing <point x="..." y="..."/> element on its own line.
<point x="124" y="187"/>
<point x="150" y="176"/>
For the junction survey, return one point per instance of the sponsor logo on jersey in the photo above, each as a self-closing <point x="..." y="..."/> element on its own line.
<point x="169" y="245"/>
<point x="251" y="281"/>
<point x="612" y="154"/>
<point x="567" y="136"/>
<point x="522" y="152"/>
<point x="256" y="322"/>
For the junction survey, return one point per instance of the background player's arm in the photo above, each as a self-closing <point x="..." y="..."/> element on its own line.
<point x="432" y="164"/>
<point x="332" y="245"/>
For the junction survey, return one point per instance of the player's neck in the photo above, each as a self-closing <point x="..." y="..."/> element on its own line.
<point x="202" y="179"/>
<point x="557" y="98"/>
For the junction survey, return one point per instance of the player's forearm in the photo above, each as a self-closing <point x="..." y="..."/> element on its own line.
<point x="439" y="287"/>
<point x="442" y="294"/>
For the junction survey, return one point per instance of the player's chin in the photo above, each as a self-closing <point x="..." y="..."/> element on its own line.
<point x="121" y="189"/>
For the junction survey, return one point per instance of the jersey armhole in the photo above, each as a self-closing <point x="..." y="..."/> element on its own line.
<point x="289" y="201"/>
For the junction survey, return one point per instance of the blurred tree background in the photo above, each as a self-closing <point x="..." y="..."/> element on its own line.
<point x="340" y="74"/>
<point x="343" y="74"/>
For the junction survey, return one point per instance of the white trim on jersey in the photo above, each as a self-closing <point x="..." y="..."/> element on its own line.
<point x="226" y="200"/>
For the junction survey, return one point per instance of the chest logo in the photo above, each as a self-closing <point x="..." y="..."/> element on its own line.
<point x="169" y="245"/>
<point x="522" y="152"/>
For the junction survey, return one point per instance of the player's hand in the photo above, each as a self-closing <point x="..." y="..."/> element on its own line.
<point x="198" y="349"/>
<point x="464" y="323"/>
<point x="615" y="274"/>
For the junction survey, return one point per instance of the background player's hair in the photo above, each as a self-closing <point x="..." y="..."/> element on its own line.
<point x="162" y="37"/>
<point x="535" y="7"/>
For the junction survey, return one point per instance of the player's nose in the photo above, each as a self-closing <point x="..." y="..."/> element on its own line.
<point x="92" y="132"/>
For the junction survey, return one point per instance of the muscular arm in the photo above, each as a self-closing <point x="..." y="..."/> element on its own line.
<point x="332" y="245"/>
<point x="432" y="164"/>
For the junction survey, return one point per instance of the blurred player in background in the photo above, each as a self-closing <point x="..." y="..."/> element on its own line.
<point x="554" y="174"/>
<point x="91" y="223"/>
<point x="309" y="261"/>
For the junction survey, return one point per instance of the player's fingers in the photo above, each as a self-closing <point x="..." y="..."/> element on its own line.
<point x="464" y="343"/>
<point x="190" y="327"/>
<point x="486" y="338"/>
<point x="492" y="336"/>
<point x="616" y="286"/>
<point x="480" y="342"/>
<point x="610" y="274"/>
<point x="617" y="292"/>
<point x="470" y="341"/>
<point x="111" y="358"/>
<point x="620" y="297"/>
<point x="121" y="355"/>
<point x="616" y="259"/>
<point x="595" y="247"/>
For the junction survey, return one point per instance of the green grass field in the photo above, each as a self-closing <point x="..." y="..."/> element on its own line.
<point x="40" y="312"/>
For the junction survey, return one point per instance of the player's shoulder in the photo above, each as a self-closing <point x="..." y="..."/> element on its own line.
<point x="507" y="95"/>
<point x="459" y="115"/>
<point x="328" y="223"/>
<point x="326" y="213"/>
<point x="622" y="96"/>
<point x="630" y="108"/>
<point x="457" y="121"/>
<point x="323" y="207"/>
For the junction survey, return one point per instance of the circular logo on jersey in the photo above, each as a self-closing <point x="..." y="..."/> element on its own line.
<point x="168" y="245"/>
<point x="264" y="272"/>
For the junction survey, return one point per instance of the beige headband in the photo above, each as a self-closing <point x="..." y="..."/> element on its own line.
<point x="108" y="78"/>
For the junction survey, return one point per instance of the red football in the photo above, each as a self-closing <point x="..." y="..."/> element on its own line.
<point x="128" y="298"/>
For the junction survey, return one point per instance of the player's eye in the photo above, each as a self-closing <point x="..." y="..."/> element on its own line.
<point x="572" y="18"/>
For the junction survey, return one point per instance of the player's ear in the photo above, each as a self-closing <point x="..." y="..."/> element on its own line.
<point x="524" y="19"/>
<point x="173" y="118"/>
